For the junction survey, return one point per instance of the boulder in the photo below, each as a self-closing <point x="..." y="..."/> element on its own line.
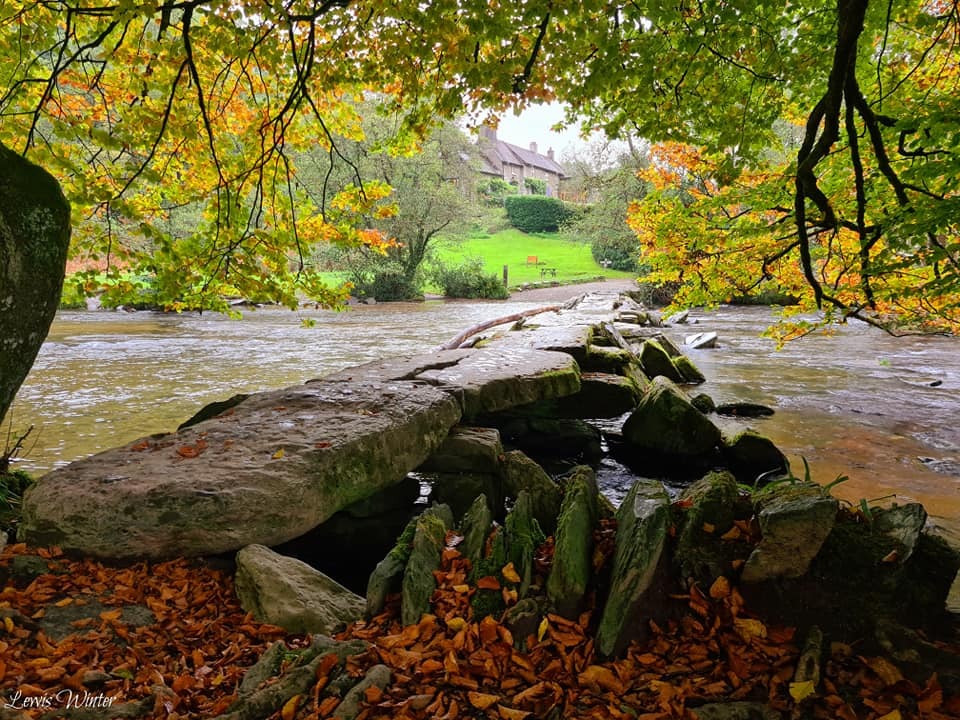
<point x="795" y="520"/>
<point x="524" y="536"/>
<point x="666" y="422"/>
<point x="711" y="506"/>
<point x="460" y="489"/>
<point x="678" y="318"/>
<point x="604" y="359"/>
<point x="750" y="455"/>
<point x="418" y="584"/>
<point x="639" y="569"/>
<point x="601" y="395"/>
<point x="520" y="473"/>
<point x="466" y="449"/>
<point x="552" y="438"/>
<point x="484" y="380"/>
<point x="475" y="527"/>
<point x="656" y="361"/>
<point x="689" y="372"/>
<point x="743" y="409"/>
<point x="701" y="340"/>
<point x="572" y="567"/>
<point x="287" y="592"/>
<point x="279" y="464"/>
<point x="388" y="573"/>
<point x="572" y="339"/>
<point x="34" y="239"/>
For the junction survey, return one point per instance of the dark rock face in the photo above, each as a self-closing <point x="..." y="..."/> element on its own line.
<point x="34" y="238"/>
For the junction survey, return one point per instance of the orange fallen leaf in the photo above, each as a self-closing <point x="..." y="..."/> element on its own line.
<point x="488" y="583"/>
<point x="481" y="701"/>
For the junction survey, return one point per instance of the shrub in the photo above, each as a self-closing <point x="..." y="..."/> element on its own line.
<point x="619" y="252"/>
<point x="536" y="213"/>
<point x="535" y="186"/>
<point x="384" y="282"/>
<point x="496" y="190"/>
<point x="468" y="280"/>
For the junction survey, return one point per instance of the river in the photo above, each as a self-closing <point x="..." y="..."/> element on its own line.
<point x="883" y="411"/>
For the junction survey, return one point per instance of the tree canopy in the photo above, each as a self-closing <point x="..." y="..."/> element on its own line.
<point x="144" y="107"/>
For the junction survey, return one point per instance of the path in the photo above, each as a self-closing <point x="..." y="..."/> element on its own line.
<point x="560" y="293"/>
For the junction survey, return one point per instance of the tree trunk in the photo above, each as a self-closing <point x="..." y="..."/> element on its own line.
<point x="34" y="237"/>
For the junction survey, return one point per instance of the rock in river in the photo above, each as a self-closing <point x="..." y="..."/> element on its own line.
<point x="266" y="471"/>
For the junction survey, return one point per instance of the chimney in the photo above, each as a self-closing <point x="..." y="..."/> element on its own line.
<point x="550" y="153"/>
<point x="489" y="132"/>
<point x="533" y="147"/>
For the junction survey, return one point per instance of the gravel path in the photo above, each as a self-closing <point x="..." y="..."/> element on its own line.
<point x="562" y="293"/>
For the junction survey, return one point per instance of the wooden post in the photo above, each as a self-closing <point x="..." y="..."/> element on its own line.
<point x="505" y="268"/>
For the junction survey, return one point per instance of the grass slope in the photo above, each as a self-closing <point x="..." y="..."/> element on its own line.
<point x="569" y="256"/>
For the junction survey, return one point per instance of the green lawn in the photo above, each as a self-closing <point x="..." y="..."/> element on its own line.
<point x="570" y="257"/>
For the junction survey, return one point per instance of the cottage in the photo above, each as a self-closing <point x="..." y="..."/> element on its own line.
<point x="515" y="164"/>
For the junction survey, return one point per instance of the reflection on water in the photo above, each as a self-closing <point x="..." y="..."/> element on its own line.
<point x="861" y="404"/>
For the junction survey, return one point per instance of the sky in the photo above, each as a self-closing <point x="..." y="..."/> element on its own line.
<point x="533" y="125"/>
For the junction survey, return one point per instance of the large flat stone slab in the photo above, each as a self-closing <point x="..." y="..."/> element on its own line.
<point x="263" y="472"/>
<point x="485" y="380"/>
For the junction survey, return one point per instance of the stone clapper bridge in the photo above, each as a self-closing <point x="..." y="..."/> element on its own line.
<point x="498" y="433"/>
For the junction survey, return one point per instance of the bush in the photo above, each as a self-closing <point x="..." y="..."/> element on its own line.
<point x="619" y="252"/>
<point x="469" y="280"/>
<point x="496" y="190"/>
<point x="535" y="186"/>
<point x="384" y="282"/>
<point x="536" y="213"/>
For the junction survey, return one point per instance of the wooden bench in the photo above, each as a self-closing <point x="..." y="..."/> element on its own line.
<point x="552" y="272"/>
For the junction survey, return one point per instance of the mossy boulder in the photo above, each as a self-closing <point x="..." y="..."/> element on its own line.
<point x="640" y="567"/>
<point x="656" y="362"/>
<point x="520" y="474"/>
<point x="460" y="489"/>
<point x="572" y="568"/>
<point x="665" y="422"/>
<point x="466" y="449"/>
<point x="689" y="372"/>
<point x="475" y="527"/>
<point x="601" y="395"/>
<point x="795" y="520"/>
<point x="419" y="583"/>
<point x="711" y="506"/>
<point x="492" y="561"/>
<point x="524" y="536"/>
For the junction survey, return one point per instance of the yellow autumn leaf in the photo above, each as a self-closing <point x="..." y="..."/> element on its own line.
<point x="278" y="454"/>
<point x="748" y="628"/>
<point x="289" y="710"/>
<point x="892" y="715"/>
<point x="542" y="630"/>
<point x="456" y="624"/>
<point x="509" y="573"/>
<point x="720" y="588"/>
<point x="8" y="624"/>
<point x="800" y="691"/>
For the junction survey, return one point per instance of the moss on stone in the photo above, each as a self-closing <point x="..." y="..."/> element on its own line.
<point x="573" y="548"/>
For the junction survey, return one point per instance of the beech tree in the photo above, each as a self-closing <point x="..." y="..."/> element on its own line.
<point x="139" y="107"/>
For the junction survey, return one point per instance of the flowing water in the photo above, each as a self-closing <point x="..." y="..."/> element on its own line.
<point x="883" y="411"/>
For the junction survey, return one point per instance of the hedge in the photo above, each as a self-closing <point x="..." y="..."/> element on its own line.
<point x="535" y="213"/>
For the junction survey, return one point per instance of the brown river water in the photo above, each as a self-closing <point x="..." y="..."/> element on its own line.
<point x="883" y="411"/>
